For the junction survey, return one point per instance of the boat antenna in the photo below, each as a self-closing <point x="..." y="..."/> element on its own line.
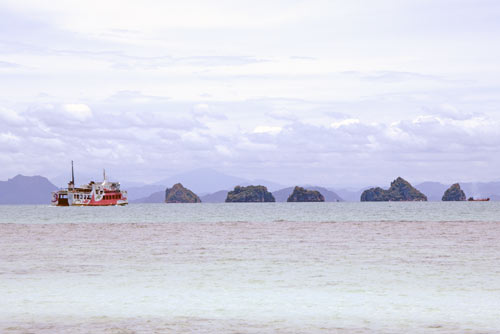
<point x="72" y="174"/>
<point x="104" y="174"/>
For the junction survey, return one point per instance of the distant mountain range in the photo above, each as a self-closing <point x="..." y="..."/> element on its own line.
<point x="350" y="195"/>
<point x="156" y="197"/>
<point x="216" y="197"/>
<point x="202" y="181"/>
<point x="207" y="180"/>
<point x="140" y="193"/>
<point x="26" y="190"/>
<point x="220" y="196"/>
<point x="433" y="190"/>
<point x="212" y="187"/>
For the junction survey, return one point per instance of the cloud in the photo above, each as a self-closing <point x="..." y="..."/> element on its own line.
<point x="6" y="64"/>
<point x="78" y="111"/>
<point x="128" y="62"/>
<point x="153" y="131"/>
<point x="273" y="130"/>
<point x="10" y="117"/>
<point x="393" y="76"/>
<point x="204" y="110"/>
<point x="59" y="114"/>
<point x="9" y="138"/>
<point x="451" y="112"/>
<point x="309" y="89"/>
<point x="345" y="122"/>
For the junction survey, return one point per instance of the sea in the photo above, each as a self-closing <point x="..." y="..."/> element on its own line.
<point x="411" y="267"/>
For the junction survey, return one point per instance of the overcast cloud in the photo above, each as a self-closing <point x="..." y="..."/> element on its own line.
<point x="335" y="93"/>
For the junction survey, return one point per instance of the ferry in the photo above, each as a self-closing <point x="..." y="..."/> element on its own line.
<point x="103" y="193"/>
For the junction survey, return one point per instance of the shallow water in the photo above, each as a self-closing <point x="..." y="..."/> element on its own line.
<point x="249" y="268"/>
<point x="255" y="212"/>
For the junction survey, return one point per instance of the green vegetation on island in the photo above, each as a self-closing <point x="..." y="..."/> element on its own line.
<point x="454" y="193"/>
<point x="300" y="194"/>
<point x="400" y="190"/>
<point x="250" y="194"/>
<point x="179" y="194"/>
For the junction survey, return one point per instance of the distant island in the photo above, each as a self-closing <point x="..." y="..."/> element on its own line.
<point x="454" y="193"/>
<point x="249" y="194"/>
<point x="400" y="190"/>
<point x="179" y="194"/>
<point x="300" y="194"/>
<point x="329" y="195"/>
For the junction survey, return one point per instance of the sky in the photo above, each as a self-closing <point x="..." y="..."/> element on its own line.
<point x="334" y="93"/>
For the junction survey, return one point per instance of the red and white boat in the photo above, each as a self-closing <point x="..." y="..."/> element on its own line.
<point x="93" y="194"/>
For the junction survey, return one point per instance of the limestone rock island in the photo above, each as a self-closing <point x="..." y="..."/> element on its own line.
<point x="250" y="194"/>
<point x="300" y="194"/>
<point x="179" y="194"/>
<point x="454" y="193"/>
<point x="400" y="190"/>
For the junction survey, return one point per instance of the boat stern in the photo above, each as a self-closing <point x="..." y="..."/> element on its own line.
<point x="59" y="198"/>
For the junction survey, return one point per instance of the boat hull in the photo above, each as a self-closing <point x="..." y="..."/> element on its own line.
<point x="85" y="198"/>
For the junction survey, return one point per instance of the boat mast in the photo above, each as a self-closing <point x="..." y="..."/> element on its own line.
<point x="72" y="183"/>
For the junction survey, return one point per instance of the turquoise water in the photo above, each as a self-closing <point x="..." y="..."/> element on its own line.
<point x="251" y="268"/>
<point x="255" y="212"/>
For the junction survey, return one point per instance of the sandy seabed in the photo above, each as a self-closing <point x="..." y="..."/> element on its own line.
<point x="276" y="277"/>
